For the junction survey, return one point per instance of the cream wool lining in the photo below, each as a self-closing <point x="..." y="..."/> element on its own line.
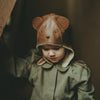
<point x="68" y="57"/>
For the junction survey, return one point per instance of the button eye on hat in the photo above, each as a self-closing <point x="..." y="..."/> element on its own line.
<point x="47" y="37"/>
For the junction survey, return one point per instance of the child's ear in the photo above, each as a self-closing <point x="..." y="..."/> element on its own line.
<point x="63" y="22"/>
<point x="37" y="22"/>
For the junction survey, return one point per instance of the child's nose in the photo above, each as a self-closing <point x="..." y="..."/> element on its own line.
<point x="51" y="53"/>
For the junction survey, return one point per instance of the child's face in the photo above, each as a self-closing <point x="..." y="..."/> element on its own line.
<point x="53" y="53"/>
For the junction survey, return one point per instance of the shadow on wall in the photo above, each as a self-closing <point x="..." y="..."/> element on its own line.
<point x="85" y="19"/>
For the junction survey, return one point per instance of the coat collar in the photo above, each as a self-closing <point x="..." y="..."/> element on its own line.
<point x="49" y="65"/>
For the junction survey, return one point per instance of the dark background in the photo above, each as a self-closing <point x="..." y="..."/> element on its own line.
<point x="20" y="37"/>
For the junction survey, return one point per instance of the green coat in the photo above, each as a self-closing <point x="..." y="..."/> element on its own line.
<point x="54" y="82"/>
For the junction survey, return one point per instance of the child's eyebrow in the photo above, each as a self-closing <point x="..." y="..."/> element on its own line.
<point x="51" y="47"/>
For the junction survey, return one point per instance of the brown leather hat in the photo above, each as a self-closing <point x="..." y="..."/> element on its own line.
<point x="50" y="29"/>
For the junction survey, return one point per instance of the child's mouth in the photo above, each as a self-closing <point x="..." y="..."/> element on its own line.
<point x="53" y="59"/>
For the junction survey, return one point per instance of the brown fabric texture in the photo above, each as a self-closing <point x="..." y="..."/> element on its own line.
<point x="50" y="29"/>
<point x="6" y="7"/>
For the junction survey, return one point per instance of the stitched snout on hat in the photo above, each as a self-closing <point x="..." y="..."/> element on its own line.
<point x="50" y="29"/>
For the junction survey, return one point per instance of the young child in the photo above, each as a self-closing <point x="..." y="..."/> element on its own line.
<point x="53" y="72"/>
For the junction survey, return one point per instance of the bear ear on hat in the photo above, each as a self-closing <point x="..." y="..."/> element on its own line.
<point x="37" y="22"/>
<point x="63" y="23"/>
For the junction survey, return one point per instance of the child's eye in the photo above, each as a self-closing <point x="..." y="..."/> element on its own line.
<point x="56" y="48"/>
<point x="46" y="49"/>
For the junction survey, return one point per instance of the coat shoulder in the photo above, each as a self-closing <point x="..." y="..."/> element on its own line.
<point x="80" y="63"/>
<point x="80" y="70"/>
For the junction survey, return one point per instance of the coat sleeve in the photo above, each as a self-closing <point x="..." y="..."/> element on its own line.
<point x="86" y="88"/>
<point x="23" y="64"/>
<point x="20" y="66"/>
